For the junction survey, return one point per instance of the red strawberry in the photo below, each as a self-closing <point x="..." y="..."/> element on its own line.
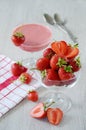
<point x="32" y="95"/>
<point x="17" y="69"/>
<point x="76" y="65"/>
<point x="43" y="63"/>
<point x="18" y="38"/>
<point x="65" y="73"/>
<point x="56" y="48"/>
<point x="59" y="47"/>
<point x="50" y="77"/>
<point x="54" y="115"/>
<point x="72" y="52"/>
<point x="40" y="110"/>
<point x="25" y="78"/>
<point x="57" y="61"/>
<point x="48" y="53"/>
<point x="63" y="47"/>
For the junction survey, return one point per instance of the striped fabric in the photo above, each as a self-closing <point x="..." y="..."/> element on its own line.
<point x="12" y="91"/>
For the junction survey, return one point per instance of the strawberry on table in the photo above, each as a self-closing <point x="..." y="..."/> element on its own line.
<point x="40" y="110"/>
<point x="25" y="78"/>
<point x="17" y="68"/>
<point x="18" y="38"/>
<point x="54" y="115"/>
<point x="32" y="95"/>
<point x="43" y="63"/>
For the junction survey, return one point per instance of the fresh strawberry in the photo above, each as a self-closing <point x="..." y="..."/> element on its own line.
<point x="56" y="48"/>
<point x="40" y="110"/>
<point x="72" y="51"/>
<point x="43" y="63"/>
<point x="57" y="61"/>
<point x="63" y="47"/>
<point x="50" y="77"/>
<point x="48" y="53"/>
<point x="65" y="73"/>
<point x="76" y="64"/>
<point x="32" y="95"/>
<point x="59" y="47"/>
<point x="54" y="115"/>
<point x="18" y="38"/>
<point x="25" y="78"/>
<point x="17" y="69"/>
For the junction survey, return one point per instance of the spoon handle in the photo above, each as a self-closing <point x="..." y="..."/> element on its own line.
<point x="70" y="34"/>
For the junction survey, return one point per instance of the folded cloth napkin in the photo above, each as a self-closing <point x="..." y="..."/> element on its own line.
<point x="12" y="91"/>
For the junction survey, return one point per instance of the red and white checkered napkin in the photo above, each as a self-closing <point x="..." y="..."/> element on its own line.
<point x="12" y="91"/>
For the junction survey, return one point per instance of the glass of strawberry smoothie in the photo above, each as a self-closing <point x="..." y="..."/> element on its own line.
<point x="37" y="37"/>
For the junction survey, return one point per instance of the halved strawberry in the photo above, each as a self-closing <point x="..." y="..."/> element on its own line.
<point x="54" y="115"/>
<point x="56" y="47"/>
<point x="59" y="47"/>
<point x="72" y="52"/>
<point x="63" y="47"/>
<point x="40" y="110"/>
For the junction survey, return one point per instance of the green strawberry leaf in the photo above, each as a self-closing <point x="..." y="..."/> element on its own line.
<point x="61" y="62"/>
<point x="19" y="34"/>
<point x="78" y="62"/>
<point x="68" y="68"/>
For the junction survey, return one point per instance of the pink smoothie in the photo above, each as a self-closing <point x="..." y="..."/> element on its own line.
<point x="37" y="36"/>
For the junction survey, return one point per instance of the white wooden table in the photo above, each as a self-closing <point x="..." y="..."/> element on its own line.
<point x="16" y="12"/>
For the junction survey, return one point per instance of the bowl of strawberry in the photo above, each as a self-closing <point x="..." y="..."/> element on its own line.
<point x="59" y="65"/>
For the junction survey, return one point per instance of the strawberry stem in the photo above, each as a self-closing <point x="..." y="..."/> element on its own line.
<point x="47" y="105"/>
<point x="61" y="62"/>
<point x="76" y="45"/>
<point x="19" y="63"/>
<point x="43" y="73"/>
<point x="78" y="61"/>
<point x="19" y="34"/>
<point x="22" y="78"/>
<point x="68" y="68"/>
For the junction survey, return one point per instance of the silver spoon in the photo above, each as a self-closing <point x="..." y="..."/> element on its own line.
<point x="58" y="22"/>
<point x="51" y="21"/>
<point x="61" y="23"/>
